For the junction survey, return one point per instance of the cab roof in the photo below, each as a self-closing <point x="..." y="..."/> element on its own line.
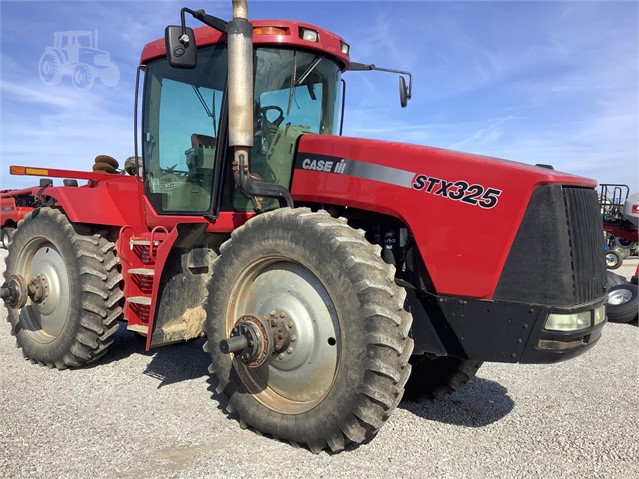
<point x="266" y="32"/>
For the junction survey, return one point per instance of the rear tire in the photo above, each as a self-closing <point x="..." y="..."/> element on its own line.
<point x="49" y="69"/>
<point x="438" y="377"/>
<point x="623" y="301"/>
<point x="613" y="259"/>
<point x="347" y="368"/>
<point x="75" y="323"/>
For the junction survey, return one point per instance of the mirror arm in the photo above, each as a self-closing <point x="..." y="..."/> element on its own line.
<point x="213" y="22"/>
<point x="354" y="66"/>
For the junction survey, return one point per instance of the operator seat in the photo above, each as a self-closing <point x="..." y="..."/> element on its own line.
<point x="198" y="140"/>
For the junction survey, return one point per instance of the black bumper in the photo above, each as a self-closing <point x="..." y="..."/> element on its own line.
<point x="495" y="330"/>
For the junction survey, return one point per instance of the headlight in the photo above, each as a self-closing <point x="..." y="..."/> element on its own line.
<point x="308" y="35"/>
<point x="600" y="314"/>
<point x="568" y="322"/>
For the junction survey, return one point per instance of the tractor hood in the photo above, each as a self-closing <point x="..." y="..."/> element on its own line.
<point x="466" y="208"/>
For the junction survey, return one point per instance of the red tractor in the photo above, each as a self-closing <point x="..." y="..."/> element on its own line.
<point x="328" y="273"/>
<point x="14" y="205"/>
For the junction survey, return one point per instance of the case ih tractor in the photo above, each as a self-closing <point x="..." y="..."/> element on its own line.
<point x="328" y="273"/>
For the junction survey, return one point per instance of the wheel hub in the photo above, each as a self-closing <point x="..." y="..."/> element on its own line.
<point x="13" y="292"/>
<point x="255" y="340"/>
<point x="38" y="289"/>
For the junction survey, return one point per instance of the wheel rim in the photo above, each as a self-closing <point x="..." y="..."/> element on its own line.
<point x="79" y="77"/>
<point x="619" y="296"/>
<point x="45" y="321"/>
<point x="48" y="69"/>
<point x="299" y="378"/>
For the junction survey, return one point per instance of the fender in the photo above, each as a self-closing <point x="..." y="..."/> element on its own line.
<point x="112" y="202"/>
<point x="60" y="54"/>
<point x="464" y="210"/>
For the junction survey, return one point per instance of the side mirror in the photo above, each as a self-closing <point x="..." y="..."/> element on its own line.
<point x="403" y="92"/>
<point x="180" y="46"/>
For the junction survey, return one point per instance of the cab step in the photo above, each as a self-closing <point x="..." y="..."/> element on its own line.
<point x="144" y="300"/>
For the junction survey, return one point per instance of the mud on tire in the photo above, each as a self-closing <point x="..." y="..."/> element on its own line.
<point x="277" y="262"/>
<point x="75" y="323"/>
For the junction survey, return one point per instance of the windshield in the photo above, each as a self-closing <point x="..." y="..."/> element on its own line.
<point x="296" y="92"/>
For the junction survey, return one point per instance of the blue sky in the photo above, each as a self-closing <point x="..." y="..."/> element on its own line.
<point x="536" y="82"/>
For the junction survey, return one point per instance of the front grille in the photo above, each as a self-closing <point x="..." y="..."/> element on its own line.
<point x="585" y="232"/>
<point x="557" y="258"/>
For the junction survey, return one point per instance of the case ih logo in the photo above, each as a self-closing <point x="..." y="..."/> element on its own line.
<point x="476" y="195"/>
<point x="327" y="166"/>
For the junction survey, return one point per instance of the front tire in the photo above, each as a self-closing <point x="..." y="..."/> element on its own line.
<point x="345" y="372"/>
<point x="82" y="77"/>
<point x="74" y="324"/>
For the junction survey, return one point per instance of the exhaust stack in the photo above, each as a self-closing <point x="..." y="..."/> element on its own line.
<point x="240" y="84"/>
<point x="240" y="94"/>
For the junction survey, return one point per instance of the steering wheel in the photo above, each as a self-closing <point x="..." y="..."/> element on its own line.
<point x="280" y="117"/>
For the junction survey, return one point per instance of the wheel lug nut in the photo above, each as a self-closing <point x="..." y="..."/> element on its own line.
<point x="281" y="356"/>
<point x="293" y="337"/>
<point x="273" y="313"/>
<point x="282" y="315"/>
<point x="289" y="350"/>
<point x="290" y="324"/>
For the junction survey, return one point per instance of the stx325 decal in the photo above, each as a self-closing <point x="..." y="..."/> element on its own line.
<point x="459" y="190"/>
<point x="472" y="194"/>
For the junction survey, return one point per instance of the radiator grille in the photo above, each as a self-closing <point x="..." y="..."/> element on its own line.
<point x="557" y="258"/>
<point x="585" y="232"/>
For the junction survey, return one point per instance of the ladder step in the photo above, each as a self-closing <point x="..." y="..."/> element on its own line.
<point x="143" y="242"/>
<point x="142" y="271"/>
<point x="138" y="328"/>
<point x="145" y="300"/>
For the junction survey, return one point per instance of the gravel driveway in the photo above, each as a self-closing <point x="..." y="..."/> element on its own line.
<point x="137" y="414"/>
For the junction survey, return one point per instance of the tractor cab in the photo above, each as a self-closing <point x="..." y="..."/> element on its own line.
<point x="185" y="115"/>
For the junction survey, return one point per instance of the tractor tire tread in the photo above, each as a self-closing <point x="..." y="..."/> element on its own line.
<point x="386" y="323"/>
<point x="97" y="284"/>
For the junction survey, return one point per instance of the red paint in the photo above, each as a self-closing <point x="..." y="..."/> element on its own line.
<point x="10" y="213"/>
<point x="464" y="247"/>
<point x="327" y="43"/>
<point x="622" y="232"/>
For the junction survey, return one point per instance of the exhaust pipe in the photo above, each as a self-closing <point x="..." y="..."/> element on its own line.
<point x="240" y="45"/>
<point x="240" y="97"/>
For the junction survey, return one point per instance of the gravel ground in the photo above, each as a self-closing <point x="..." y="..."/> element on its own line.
<point x="137" y="414"/>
